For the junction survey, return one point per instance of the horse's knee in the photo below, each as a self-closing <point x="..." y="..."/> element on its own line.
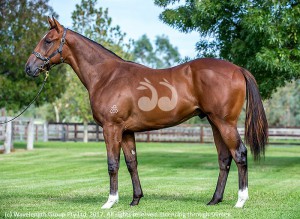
<point x="113" y="167"/>
<point x="131" y="165"/>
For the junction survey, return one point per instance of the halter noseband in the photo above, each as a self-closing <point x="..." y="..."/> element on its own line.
<point x="59" y="50"/>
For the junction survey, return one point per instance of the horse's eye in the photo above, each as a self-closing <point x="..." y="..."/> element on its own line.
<point x="47" y="41"/>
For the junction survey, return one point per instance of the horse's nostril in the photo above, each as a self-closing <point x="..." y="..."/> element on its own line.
<point x="27" y="69"/>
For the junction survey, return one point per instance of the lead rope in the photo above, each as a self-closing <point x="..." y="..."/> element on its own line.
<point x="34" y="99"/>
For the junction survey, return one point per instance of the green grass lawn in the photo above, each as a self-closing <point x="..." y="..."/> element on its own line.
<point x="70" y="180"/>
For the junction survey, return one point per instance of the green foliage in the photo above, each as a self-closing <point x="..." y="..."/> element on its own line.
<point x="283" y="109"/>
<point x="96" y="25"/>
<point x="22" y="25"/>
<point x="262" y="36"/>
<point x="74" y="108"/>
<point x="162" y="56"/>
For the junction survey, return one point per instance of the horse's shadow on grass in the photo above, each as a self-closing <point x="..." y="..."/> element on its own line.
<point x="125" y="199"/>
<point x="180" y="160"/>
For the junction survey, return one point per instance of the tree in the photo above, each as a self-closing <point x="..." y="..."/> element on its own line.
<point x="262" y="36"/>
<point x="163" y="55"/>
<point x="76" y="107"/>
<point x="283" y="109"/>
<point x="22" y="25"/>
<point x="95" y="24"/>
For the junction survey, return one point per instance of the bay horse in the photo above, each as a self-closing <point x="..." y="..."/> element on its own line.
<point x="127" y="97"/>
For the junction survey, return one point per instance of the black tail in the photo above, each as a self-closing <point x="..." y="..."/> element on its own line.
<point x="256" y="125"/>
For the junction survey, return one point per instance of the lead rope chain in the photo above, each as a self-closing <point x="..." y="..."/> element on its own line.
<point x="34" y="99"/>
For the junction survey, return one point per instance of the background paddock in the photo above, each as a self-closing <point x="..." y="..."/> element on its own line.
<point x="72" y="177"/>
<point x="190" y="133"/>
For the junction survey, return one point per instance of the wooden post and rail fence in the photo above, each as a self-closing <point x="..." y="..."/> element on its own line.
<point x="31" y="130"/>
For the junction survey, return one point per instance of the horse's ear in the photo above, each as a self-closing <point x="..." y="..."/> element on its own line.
<point x="50" y="22"/>
<point x="58" y="27"/>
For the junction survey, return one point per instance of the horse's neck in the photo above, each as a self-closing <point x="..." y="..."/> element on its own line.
<point x="86" y="58"/>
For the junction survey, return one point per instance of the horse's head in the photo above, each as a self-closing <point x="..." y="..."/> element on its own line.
<point x="48" y="51"/>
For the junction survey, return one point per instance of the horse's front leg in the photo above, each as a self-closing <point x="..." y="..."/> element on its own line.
<point x="113" y="138"/>
<point x="129" y="149"/>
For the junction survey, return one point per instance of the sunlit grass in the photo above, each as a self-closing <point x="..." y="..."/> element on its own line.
<point x="70" y="180"/>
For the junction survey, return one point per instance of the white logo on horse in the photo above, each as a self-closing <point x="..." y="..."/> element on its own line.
<point x="164" y="103"/>
<point x="114" y="109"/>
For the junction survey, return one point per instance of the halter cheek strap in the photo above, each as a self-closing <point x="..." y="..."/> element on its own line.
<point x="59" y="50"/>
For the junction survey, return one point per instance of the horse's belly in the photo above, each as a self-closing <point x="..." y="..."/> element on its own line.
<point x="158" y="119"/>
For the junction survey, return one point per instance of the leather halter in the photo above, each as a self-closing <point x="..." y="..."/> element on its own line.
<point x="59" y="50"/>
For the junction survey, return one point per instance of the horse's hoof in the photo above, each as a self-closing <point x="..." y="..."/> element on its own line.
<point x="214" y="201"/>
<point x="112" y="199"/>
<point x="240" y="203"/>
<point x="135" y="202"/>
<point x="109" y="204"/>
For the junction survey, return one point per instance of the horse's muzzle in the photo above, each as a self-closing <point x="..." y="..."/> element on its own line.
<point x="27" y="70"/>
<point x="30" y="72"/>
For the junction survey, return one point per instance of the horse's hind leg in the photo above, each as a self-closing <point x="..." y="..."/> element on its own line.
<point x="225" y="158"/>
<point x="129" y="149"/>
<point x="240" y="158"/>
<point x="232" y="139"/>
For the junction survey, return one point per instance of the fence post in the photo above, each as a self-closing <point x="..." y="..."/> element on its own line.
<point x="45" y="136"/>
<point x="20" y="130"/>
<point x="67" y="132"/>
<point x="97" y="133"/>
<point x="8" y="138"/>
<point x="36" y="133"/>
<point x="148" y="136"/>
<point x="201" y="134"/>
<point x="85" y="132"/>
<point x="63" y="132"/>
<point x="75" y="132"/>
<point x="30" y="135"/>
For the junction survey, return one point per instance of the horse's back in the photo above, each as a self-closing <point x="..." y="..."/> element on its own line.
<point x="213" y="63"/>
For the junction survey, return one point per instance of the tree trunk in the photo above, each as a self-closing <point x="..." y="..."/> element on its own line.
<point x="56" y="110"/>
<point x="3" y="112"/>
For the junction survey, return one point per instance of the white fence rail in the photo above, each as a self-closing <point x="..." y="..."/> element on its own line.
<point x="39" y="131"/>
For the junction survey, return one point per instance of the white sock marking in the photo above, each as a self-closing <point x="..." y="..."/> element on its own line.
<point x="242" y="198"/>
<point x="112" y="199"/>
